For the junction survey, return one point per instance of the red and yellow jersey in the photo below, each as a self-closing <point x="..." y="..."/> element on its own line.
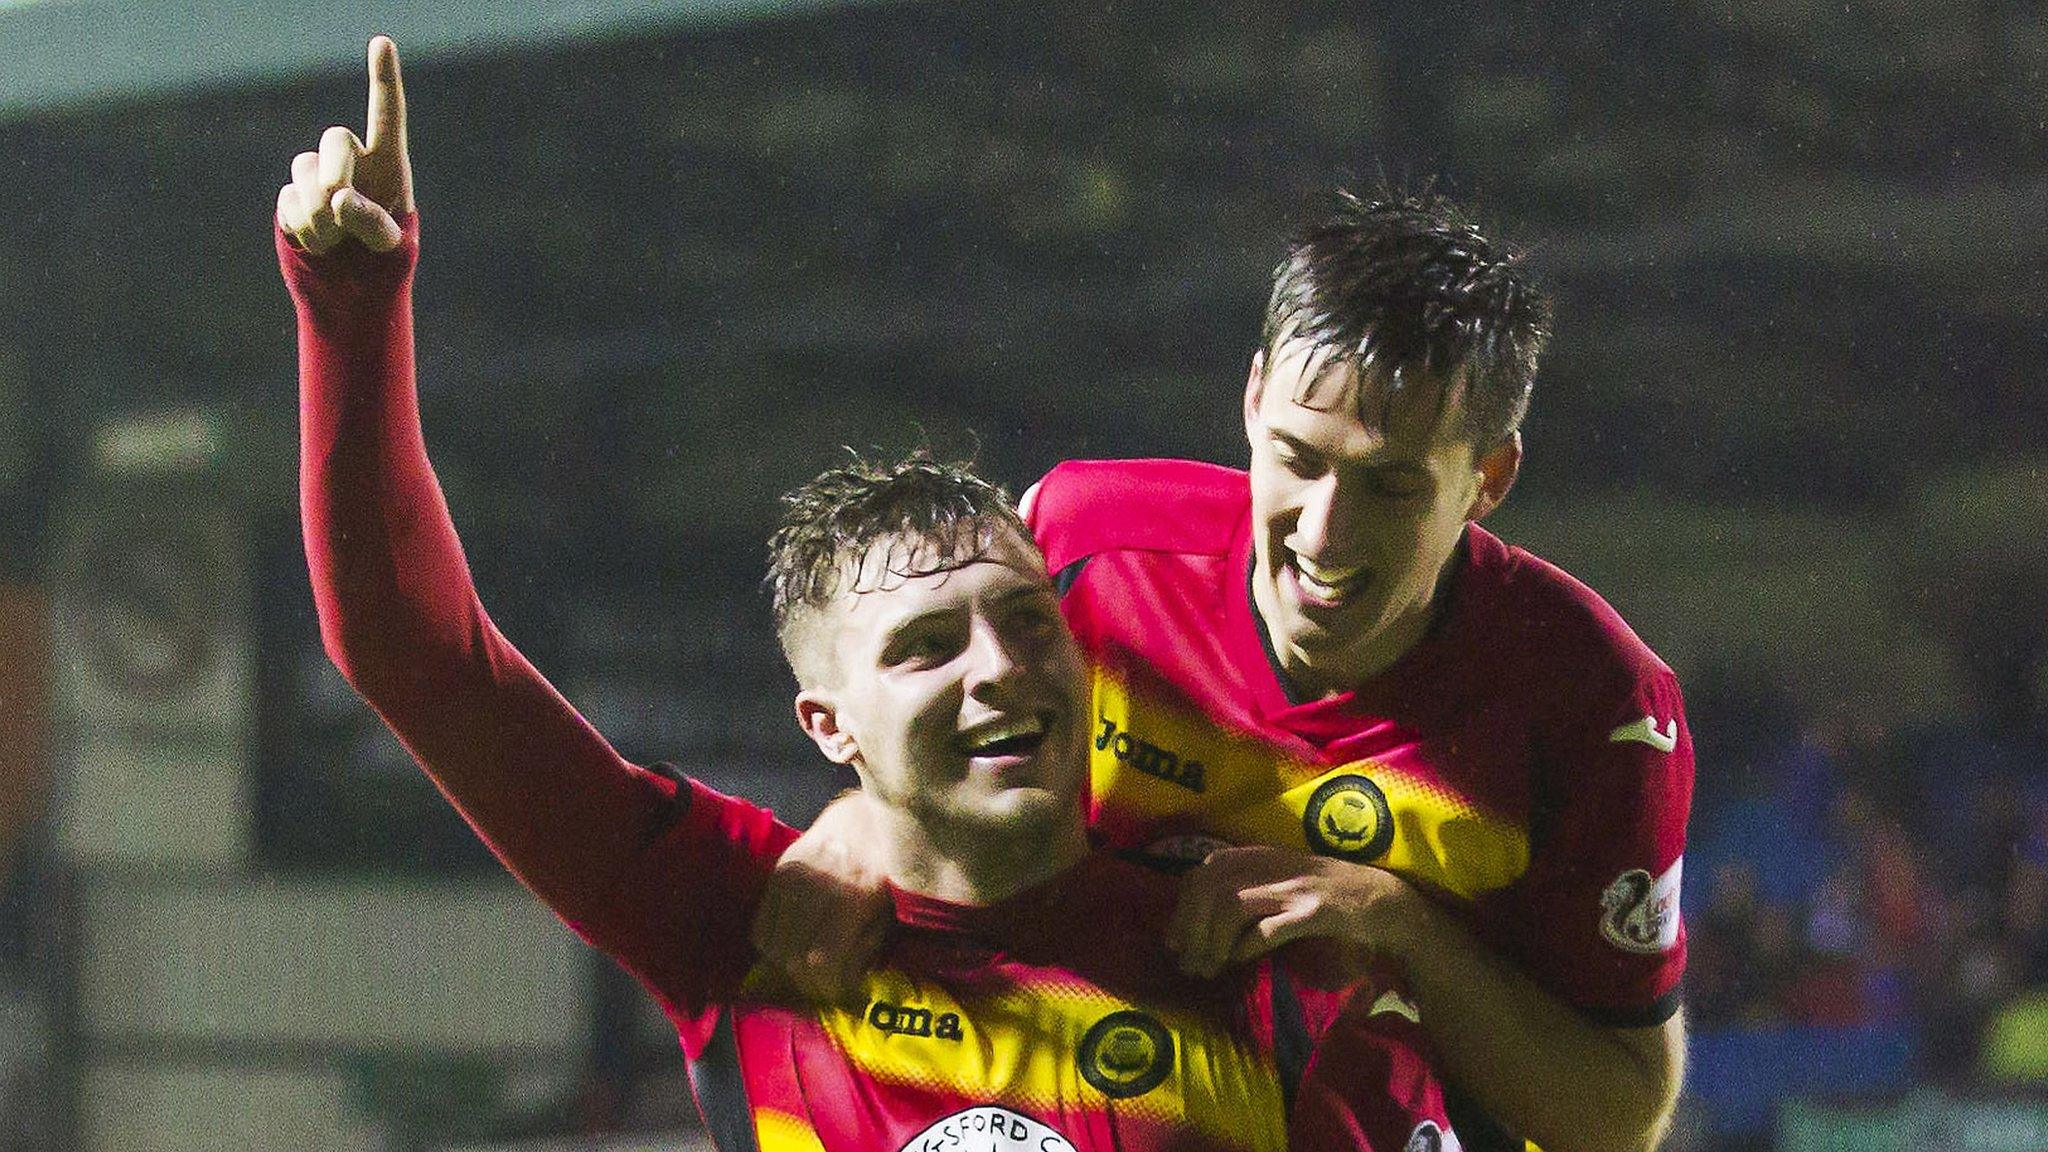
<point x="1054" y="1020"/>
<point x="1527" y="762"/>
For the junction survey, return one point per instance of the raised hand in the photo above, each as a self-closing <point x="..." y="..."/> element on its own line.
<point x="351" y="187"/>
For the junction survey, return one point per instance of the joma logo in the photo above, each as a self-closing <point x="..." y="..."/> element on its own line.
<point x="1148" y="757"/>
<point x="909" y="1020"/>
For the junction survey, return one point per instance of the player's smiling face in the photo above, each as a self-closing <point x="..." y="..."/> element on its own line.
<point x="960" y="693"/>
<point x="1358" y="503"/>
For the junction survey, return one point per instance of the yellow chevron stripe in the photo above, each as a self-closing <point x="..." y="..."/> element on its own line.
<point x="1253" y="793"/>
<point x="1022" y="1046"/>
<point x="1438" y="841"/>
<point x="1133" y="734"/>
<point x="781" y="1132"/>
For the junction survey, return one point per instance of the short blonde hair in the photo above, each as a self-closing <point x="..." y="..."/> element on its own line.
<point x="933" y="515"/>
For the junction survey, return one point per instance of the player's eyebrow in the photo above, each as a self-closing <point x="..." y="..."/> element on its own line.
<point x="894" y="631"/>
<point x="1294" y="442"/>
<point x="919" y="620"/>
<point x="1403" y="468"/>
<point x="1037" y="590"/>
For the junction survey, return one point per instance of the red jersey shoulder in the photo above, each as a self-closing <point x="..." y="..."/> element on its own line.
<point x="1542" y="614"/>
<point x="1083" y="507"/>
<point x="1595" y="918"/>
<point x="739" y="827"/>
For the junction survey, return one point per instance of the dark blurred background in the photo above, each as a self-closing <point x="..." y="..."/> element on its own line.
<point x="679" y="255"/>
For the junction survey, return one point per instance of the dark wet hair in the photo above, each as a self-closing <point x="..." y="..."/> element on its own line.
<point x="1406" y="284"/>
<point x="933" y="515"/>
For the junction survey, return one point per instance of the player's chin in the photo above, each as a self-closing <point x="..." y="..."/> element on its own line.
<point x="1320" y="627"/>
<point x="1024" y="805"/>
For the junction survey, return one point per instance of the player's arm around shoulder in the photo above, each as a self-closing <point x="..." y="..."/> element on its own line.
<point x="1574" y="1040"/>
<point x="824" y="910"/>
<point x="1592" y="987"/>
<point x="1538" y="1064"/>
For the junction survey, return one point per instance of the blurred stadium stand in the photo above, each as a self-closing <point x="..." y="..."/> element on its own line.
<point x="68" y="53"/>
<point x="1791" y="427"/>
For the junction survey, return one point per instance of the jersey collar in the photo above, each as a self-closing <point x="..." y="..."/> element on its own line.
<point x="1326" y="718"/>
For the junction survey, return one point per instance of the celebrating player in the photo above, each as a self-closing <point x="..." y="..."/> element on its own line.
<point x="1328" y="655"/>
<point x="1022" y="996"/>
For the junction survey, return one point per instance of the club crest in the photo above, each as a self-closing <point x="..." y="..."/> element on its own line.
<point x="989" y="1128"/>
<point x="1348" y="817"/>
<point x="1126" y="1054"/>
<point x="1639" y="912"/>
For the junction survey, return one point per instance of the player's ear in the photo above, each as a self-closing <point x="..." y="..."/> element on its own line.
<point x="1254" y="391"/>
<point x="818" y="714"/>
<point x="1498" y="467"/>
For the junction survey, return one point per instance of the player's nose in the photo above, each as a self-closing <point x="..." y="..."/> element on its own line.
<point x="993" y="664"/>
<point x="1324" y="528"/>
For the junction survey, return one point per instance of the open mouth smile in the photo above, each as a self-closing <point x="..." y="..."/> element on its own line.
<point x="1324" y="586"/>
<point x="1008" y="736"/>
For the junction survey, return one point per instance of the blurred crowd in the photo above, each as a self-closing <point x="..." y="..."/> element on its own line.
<point x="1867" y="882"/>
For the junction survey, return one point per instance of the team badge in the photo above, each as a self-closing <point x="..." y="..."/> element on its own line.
<point x="1639" y="912"/>
<point x="1347" y="817"/>
<point x="1429" y="1137"/>
<point x="988" y="1128"/>
<point x="1126" y="1054"/>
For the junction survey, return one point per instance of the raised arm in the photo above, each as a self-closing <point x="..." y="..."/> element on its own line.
<point x="593" y="836"/>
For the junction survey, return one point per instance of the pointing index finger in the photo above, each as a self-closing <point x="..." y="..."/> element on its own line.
<point x="386" y="123"/>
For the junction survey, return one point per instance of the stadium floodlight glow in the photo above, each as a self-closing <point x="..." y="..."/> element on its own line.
<point x="177" y="440"/>
<point x="67" y="53"/>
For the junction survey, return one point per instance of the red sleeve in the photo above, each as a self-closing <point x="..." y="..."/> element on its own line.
<point x="1048" y="508"/>
<point x="683" y="928"/>
<point x="1085" y="507"/>
<point x="639" y="864"/>
<point x="1597" y="914"/>
<point x="1371" y="1085"/>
